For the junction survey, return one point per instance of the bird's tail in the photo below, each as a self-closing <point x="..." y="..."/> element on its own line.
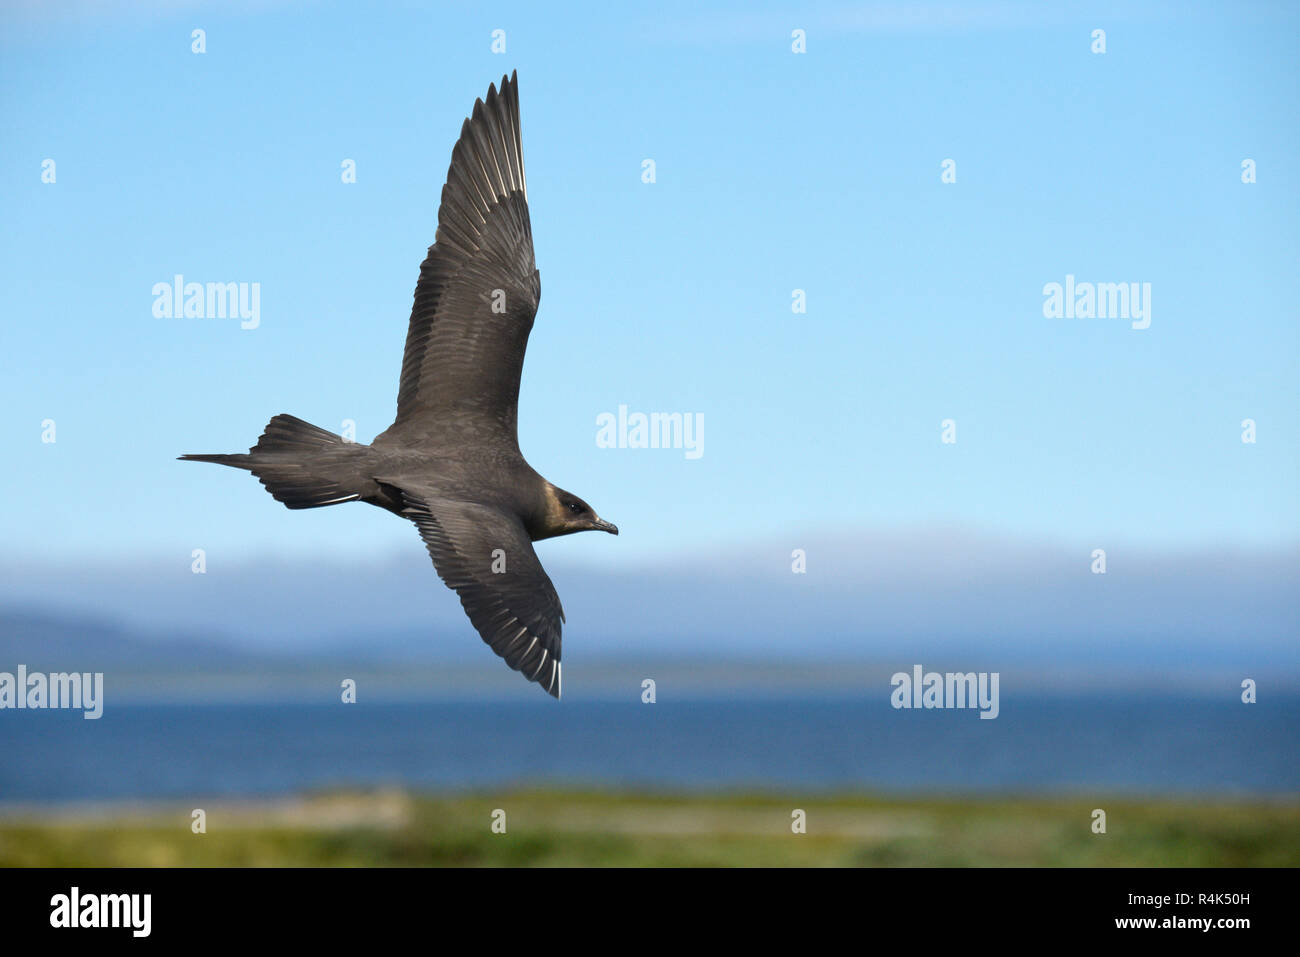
<point x="301" y="465"/>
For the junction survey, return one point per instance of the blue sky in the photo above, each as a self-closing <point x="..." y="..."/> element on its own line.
<point x="775" y="171"/>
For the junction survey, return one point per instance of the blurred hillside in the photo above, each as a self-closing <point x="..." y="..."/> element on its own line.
<point x="552" y="828"/>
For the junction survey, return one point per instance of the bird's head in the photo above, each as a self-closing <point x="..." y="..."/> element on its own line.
<point x="566" y="514"/>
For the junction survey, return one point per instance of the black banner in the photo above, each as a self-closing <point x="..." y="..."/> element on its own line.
<point x="334" y="906"/>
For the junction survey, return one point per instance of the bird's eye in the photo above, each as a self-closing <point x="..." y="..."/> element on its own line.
<point x="575" y="508"/>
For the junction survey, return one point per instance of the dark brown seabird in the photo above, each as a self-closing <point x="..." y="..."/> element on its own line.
<point x="451" y="461"/>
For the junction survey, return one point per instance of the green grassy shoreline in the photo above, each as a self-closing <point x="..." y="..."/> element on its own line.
<point x="588" y="828"/>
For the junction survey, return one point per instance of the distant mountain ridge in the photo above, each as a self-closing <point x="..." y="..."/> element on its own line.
<point x="48" y="641"/>
<point x="897" y="595"/>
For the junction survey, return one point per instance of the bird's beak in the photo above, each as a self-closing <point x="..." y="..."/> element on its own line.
<point x="605" y="526"/>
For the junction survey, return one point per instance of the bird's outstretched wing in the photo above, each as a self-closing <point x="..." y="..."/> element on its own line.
<point x="486" y="556"/>
<point x="479" y="288"/>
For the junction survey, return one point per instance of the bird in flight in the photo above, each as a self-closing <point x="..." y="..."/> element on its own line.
<point x="451" y="462"/>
